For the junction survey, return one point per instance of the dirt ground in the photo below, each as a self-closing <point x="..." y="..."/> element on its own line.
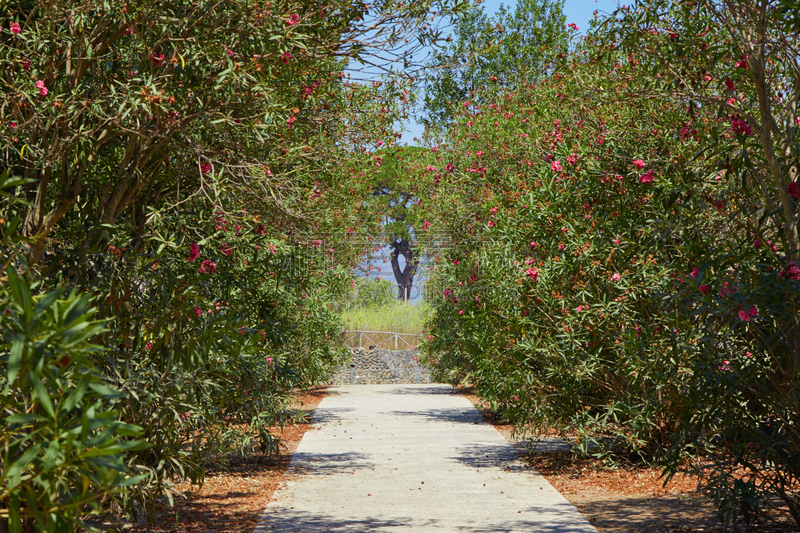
<point x="615" y="500"/>
<point x="626" y="498"/>
<point x="232" y="500"/>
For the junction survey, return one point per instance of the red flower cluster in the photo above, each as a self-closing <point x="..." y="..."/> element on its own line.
<point x="42" y="89"/>
<point x="791" y="272"/>
<point x="740" y="127"/>
<point x="794" y="190"/>
<point x="208" y="267"/>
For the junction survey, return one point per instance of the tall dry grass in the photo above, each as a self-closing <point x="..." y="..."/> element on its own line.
<point x="397" y="317"/>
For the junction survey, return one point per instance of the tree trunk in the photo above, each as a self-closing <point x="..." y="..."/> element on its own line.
<point x="405" y="277"/>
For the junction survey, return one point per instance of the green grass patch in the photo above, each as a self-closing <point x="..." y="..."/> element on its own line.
<point x="396" y="317"/>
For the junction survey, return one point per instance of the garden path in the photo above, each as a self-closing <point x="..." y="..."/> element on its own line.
<point x="411" y="458"/>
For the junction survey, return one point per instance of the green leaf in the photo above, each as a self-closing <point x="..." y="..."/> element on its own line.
<point x="105" y="390"/>
<point x="44" y="397"/>
<point x="47" y="301"/>
<point x="20" y="292"/>
<point x="15" y="359"/>
<point x="77" y="394"/>
<point x="15" y="470"/>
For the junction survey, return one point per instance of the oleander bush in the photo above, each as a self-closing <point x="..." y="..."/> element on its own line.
<point x="622" y="245"/>
<point x="181" y="186"/>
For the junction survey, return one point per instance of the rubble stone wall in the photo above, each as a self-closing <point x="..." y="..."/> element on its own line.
<point x="379" y="366"/>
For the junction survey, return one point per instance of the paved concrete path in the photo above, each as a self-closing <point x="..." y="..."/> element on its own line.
<point x="411" y="458"/>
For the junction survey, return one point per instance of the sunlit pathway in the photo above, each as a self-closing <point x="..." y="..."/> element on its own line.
<point x="405" y="458"/>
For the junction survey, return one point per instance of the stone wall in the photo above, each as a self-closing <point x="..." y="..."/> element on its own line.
<point x="368" y="367"/>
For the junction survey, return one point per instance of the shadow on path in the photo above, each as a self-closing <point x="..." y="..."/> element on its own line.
<point x="329" y="464"/>
<point x="466" y="415"/>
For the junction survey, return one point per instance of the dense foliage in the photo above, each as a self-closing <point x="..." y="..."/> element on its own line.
<point x="181" y="206"/>
<point x="509" y="47"/>
<point x="621" y="258"/>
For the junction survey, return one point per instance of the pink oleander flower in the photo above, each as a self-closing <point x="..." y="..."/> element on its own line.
<point x="290" y="121"/>
<point x="294" y="18"/>
<point x="573" y="26"/>
<point x="705" y="289"/>
<point x="533" y="273"/>
<point x="744" y="316"/>
<point x="205" y="168"/>
<point x="194" y="251"/>
<point x="157" y="59"/>
<point x="197" y="311"/>
<point x="729" y="84"/>
<point x="42" y="89"/>
<point x="639" y="164"/>
<point x="148" y="345"/>
<point x="285" y="57"/>
<point x="207" y="267"/>
<point x="616" y="276"/>
<point x="753" y="312"/>
<point x="647" y="177"/>
<point x="426" y="225"/>
<point x="757" y="243"/>
<point x="556" y="166"/>
<point x="15" y="28"/>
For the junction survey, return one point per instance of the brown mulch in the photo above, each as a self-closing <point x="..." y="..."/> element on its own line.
<point x="624" y="498"/>
<point x="233" y="499"/>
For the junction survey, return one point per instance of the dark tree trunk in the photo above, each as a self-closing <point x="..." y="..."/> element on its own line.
<point x="405" y="277"/>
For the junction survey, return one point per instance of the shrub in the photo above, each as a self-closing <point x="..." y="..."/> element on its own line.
<point x="63" y="450"/>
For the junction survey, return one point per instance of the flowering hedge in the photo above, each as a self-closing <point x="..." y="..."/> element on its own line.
<point x="190" y="170"/>
<point x="611" y="270"/>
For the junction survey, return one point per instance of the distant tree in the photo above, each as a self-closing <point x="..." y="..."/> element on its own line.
<point x="502" y="49"/>
<point x="395" y="198"/>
